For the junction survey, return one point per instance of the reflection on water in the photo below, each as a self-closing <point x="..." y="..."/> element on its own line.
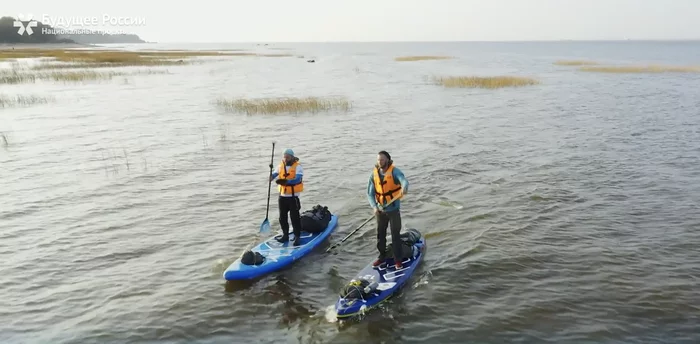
<point x="238" y="285"/>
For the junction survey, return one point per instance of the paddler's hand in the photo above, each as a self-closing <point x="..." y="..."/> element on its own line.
<point x="281" y="181"/>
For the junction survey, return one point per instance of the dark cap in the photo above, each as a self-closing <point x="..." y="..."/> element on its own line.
<point x="384" y="153"/>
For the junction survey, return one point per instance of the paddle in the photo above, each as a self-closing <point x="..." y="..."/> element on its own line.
<point x="265" y="226"/>
<point x="358" y="228"/>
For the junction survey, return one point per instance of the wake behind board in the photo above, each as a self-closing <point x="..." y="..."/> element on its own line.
<point x="277" y="255"/>
<point x="376" y="284"/>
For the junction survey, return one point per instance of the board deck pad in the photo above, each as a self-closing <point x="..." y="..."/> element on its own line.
<point x="278" y="255"/>
<point x="389" y="280"/>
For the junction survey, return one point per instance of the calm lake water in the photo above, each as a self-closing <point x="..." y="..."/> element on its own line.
<point x="565" y="212"/>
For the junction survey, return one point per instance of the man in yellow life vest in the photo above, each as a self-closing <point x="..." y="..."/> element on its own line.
<point x="386" y="183"/>
<point x="290" y="185"/>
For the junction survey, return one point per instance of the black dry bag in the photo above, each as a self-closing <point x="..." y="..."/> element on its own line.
<point x="252" y="258"/>
<point x="408" y="238"/>
<point x="315" y="220"/>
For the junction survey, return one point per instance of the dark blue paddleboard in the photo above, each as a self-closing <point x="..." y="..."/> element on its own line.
<point x="379" y="283"/>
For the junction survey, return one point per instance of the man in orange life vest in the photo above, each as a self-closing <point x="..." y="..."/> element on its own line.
<point x="290" y="185"/>
<point x="386" y="183"/>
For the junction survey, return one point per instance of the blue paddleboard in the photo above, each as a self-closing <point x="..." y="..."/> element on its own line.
<point x="278" y="255"/>
<point x="384" y="280"/>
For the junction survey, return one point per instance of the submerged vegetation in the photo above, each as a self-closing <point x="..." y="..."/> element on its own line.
<point x="80" y="58"/>
<point x="20" y="100"/>
<point x="591" y="66"/>
<point x="79" y="65"/>
<point x="421" y="58"/>
<point x="575" y="63"/>
<point x="490" y="82"/>
<point x="97" y="58"/>
<point x="17" y="76"/>
<point x="13" y="77"/>
<point x="641" y="69"/>
<point x="90" y="75"/>
<point x="283" y="105"/>
<point x="76" y="65"/>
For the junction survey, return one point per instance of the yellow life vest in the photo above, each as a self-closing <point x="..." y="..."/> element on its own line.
<point x="289" y="173"/>
<point x="385" y="190"/>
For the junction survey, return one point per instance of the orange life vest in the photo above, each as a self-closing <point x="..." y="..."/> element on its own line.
<point x="289" y="173"/>
<point x="384" y="190"/>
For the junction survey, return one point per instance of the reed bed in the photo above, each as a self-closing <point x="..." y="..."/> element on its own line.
<point x="421" y="58"/>
<point x="491" y="82"/>
<point x="274" y="55"/>
<point x="64" y="65"/>
<point x="15" y="77"/>
<point x="20" y="100"/>
<point x="641" y="69"/>
<point x="91" y="75"/>
<point x="104" y="53"/>
<point x="283" y="105"/>
<point x="26" y="53"/>
<point x="575" y="63"/>
<point x="79" y="76"/>
<point x="108" y="59"/>
<point x="71" y="58"/>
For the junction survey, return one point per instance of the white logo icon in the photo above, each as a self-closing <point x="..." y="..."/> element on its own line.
<point x="31" y="23"/>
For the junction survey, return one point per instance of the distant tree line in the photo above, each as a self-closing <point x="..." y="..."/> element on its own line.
<point x="9" y="34"/>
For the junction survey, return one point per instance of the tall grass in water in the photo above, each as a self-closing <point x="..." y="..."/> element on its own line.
<point x="105" y="54"/>
<point x="16" y="77"/>
<point x="70" y="58"/>
<point x="90" y="58"/>
<point x="421" y="58"/>
<point x="63" y="65"/>
<point x="282" y="105"/>
<point x="121" y="58"/>
<point x="484" y="82"/>
<point x="90" y="75"/>
<point x="12" y="101"/>
<point x="641" y="69"/>
<point x="575" y="63"/>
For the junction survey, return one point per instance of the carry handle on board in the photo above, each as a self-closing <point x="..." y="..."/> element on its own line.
<point x="362" y="225"/>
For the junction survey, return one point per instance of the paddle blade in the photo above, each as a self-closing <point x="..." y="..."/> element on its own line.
<point x="265" y="226"/>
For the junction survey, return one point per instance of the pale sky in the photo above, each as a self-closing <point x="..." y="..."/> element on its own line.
<point x="381" y="20"/>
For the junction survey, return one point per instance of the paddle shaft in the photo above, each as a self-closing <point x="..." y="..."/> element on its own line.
<point x="358" y="228"/>
<point x="269" y="185"/>
<point x="264" y="227"/>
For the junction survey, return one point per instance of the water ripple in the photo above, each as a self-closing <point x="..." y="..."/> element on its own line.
<point x="560" y="213"/>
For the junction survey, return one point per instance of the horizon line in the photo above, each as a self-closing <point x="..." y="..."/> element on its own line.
<point x="438" y="41"/>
